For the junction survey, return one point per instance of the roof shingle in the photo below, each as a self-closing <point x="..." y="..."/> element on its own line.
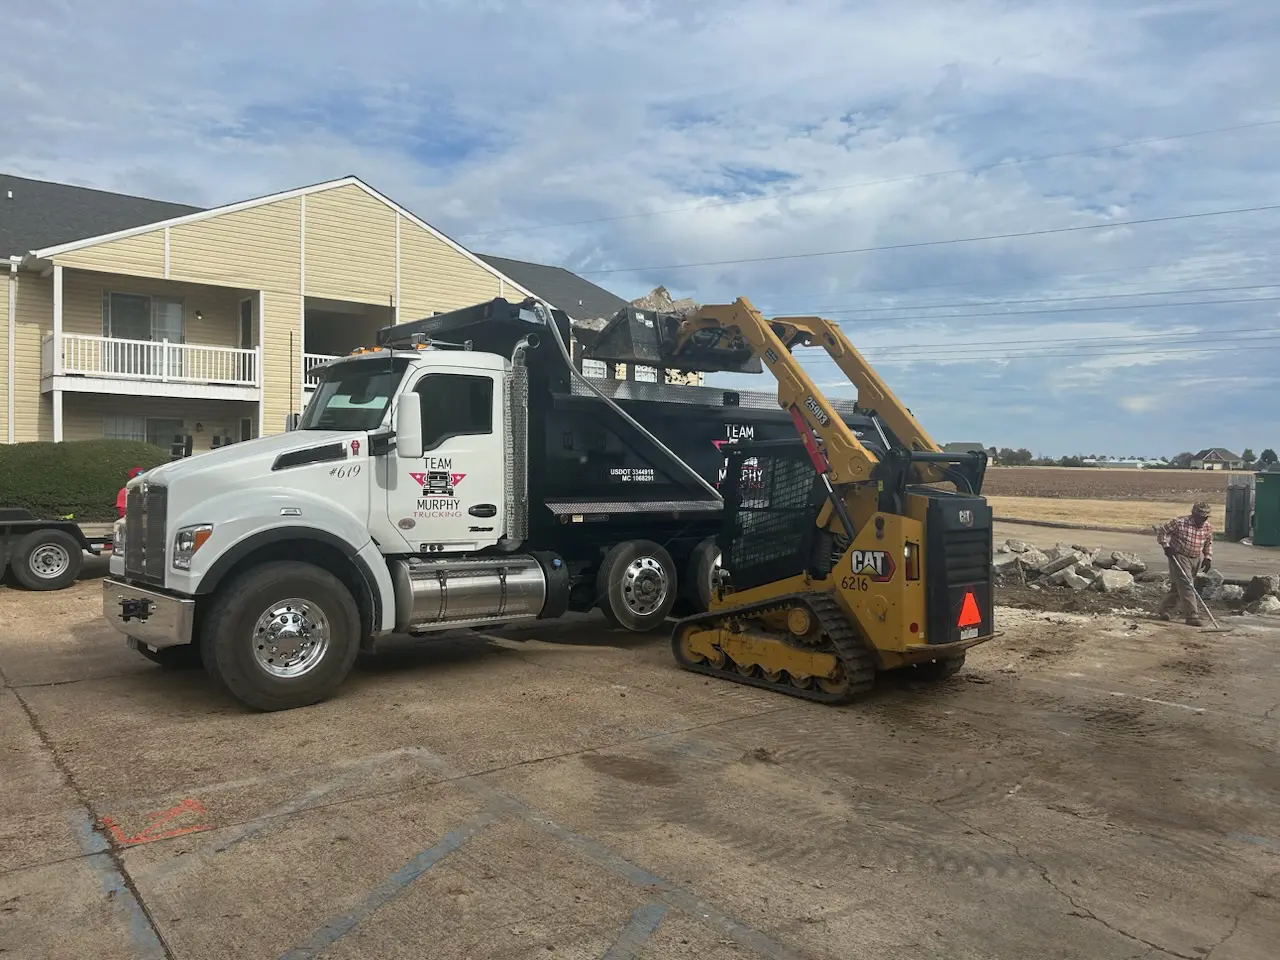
<point x="580" y="299"/>
<point x="38" y="213"/>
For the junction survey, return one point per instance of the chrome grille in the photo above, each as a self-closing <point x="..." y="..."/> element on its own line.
<point x="145" y="533"/>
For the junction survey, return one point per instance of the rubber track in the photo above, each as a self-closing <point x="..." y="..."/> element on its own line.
<point x="842" y="640"/>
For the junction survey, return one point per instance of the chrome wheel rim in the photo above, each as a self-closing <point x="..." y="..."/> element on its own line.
<point x="644" y="585"/>
<point x="290" y="638"/>
<point x="49" y="560"/>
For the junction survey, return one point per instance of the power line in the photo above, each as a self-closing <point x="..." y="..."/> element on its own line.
<point x="1000" y="303"/>
<point x="999" y="351"/>
<point x="1028" y="313"/>
<point x="1123" y="338"/>
<point x="1079" y="356"/>
<point x="872" y="183"/>
<point x="1037" y="276"/>
<point x="938" y="243"/>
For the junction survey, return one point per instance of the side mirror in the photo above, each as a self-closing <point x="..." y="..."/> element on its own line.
<point x="291" y="421"/>
<point x="409" y="427"/>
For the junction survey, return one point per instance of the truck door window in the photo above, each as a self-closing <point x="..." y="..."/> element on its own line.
<point x="454" y="405"/>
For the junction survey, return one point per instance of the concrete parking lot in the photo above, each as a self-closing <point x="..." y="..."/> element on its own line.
<point x="1089" y="788"/>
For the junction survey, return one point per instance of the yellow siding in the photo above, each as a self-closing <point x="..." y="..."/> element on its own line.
<point x="219" y="307"/>
<point x="141" y="256"/>
<point x="82" y="415"/>
<point x="4" y="357"/>
<point x="434" y="276"/>
<point x="33" y="414"/>
<point x="282" y="361"/>
<point x="256" y="248"/>
<point x="351" y="246"/>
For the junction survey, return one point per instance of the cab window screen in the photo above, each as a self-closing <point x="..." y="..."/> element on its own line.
<point x="454" y="405"/>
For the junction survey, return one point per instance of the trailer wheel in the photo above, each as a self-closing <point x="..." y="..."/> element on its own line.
<point x="703" y="563"/>
<point x="637" y="585"/>
<point x="47" y="560"/>
<point x="281" y="635"/>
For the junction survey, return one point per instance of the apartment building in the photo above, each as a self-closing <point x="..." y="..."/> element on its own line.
<point x="132" y="318"/>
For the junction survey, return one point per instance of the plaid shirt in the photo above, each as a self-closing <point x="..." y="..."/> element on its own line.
<point x="1185" y="538"/>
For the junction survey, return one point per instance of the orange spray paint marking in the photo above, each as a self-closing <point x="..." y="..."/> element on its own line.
<point x="159" y="820"/>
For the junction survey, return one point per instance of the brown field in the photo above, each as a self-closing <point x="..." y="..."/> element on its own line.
<point x="1137" y="514"/>
<point x="1092" y="483"/>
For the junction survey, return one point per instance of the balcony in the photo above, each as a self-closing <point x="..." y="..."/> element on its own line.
<point x="82" y="363"/>
<point x="309" y="362"/>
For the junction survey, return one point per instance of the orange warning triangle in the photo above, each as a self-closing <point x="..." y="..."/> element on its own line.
<point x="969" y="615"/>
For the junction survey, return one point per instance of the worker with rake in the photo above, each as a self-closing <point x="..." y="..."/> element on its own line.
<point x="1188" y="543"/>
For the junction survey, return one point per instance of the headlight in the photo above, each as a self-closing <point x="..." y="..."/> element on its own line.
<point x="187" y="541"/>
<point x="117" y="537"/>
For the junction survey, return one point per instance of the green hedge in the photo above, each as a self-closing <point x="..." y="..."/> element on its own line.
<point x="79" y="479"/>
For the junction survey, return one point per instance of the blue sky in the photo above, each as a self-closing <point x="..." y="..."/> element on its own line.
<point x="838" y="126"/>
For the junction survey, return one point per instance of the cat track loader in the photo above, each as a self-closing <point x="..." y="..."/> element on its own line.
<point x="836" y="562"/>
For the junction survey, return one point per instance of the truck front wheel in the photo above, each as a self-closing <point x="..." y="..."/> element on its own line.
<point x="281" y="635"/>
<point x="637" y="585"/>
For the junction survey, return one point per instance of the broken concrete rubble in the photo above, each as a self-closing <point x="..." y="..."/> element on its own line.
<point x="1017" y="546"/>
<point x="1231" y="593"/>
<point x="1260" y="587"/>
<point x="1268" y="605"/>
<point x="659" y="300"/>
<point x="1064" y="559"/>
<point x="1114" y="581"/>
<point x="1075" y="581"/>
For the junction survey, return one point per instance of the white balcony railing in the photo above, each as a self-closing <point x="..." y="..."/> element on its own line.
<point x="151" y="360"/>
<point x="309" y="362"/>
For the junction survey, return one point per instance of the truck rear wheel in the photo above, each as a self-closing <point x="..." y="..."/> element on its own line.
<point x="47" y="560"/>
<point x="637" y="585"/>
<point x="281" y="635"/>
<point x="704" y="562"/>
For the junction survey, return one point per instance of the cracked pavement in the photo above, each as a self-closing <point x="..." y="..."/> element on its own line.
<point x="1097" y="788"/>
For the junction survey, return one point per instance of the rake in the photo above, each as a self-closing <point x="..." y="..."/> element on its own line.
<point x="1186" y="578"/>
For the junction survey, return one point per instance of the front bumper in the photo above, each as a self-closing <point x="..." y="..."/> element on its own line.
<point x="148" y="616"/>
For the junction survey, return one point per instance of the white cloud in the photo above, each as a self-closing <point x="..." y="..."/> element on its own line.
<point x="491" y="117"/>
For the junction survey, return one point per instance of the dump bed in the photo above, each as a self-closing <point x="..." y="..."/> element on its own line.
<point x="585" y="460"/>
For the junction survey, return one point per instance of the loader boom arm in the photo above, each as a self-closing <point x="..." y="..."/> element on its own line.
<point x="850" y="461"/>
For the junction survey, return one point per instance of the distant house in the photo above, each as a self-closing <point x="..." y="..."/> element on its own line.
<point x="1216" y="458"/>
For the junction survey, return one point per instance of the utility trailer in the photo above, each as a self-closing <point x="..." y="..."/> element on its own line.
<point x="44" y="554"/>
<point x="461" y="474"/>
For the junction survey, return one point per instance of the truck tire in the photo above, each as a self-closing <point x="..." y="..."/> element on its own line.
<point x="310" y="615"/>
<point x="702" y="568"/>
<point x="47" y="560"/>
<point x="637" y="585"/>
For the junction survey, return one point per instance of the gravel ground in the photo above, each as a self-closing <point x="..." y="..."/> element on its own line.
<point x="1092" y="786"/>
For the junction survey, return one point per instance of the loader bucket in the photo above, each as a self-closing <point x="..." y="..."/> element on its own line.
<point x="649" y="338"/>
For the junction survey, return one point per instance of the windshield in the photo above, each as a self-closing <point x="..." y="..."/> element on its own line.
<point x="353" y="396"/>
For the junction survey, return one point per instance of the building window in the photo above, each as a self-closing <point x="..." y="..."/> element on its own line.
<point x="134" y="316"/>
<point x="163" y="432"/>
<point x="124" y="428"/>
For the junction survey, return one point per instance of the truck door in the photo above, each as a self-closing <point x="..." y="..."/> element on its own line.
<point x="452" y="498"/>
